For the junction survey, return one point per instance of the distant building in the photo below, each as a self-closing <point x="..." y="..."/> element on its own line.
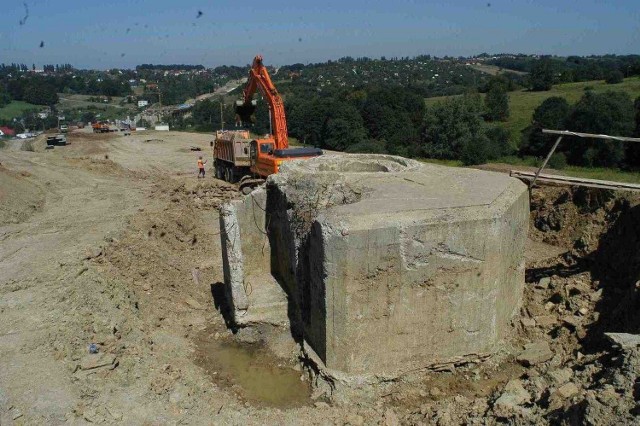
<point x="142" y="104"/>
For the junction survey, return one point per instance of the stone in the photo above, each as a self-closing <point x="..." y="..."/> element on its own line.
<point x="568" y="390"/>
<point x="535" y="353"/>
<point x="321" y="404"/>
<point x="528" y="322"/>
<point x="572" y="321"/>
<point x="560" y="376"/>
<point x="513" y="396"/>
<point x="430" y="268"/>
<point x="544" y="283"/>
<point x="624" y="340"/>
<point x="545" y="321"/>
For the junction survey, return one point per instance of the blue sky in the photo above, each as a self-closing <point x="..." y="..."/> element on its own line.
<point x="124" y="33"/>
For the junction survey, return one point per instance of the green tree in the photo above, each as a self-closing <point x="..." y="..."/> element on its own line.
<point x="496" y="101"/>
<point x="453" y="125"/>
<point x="614" y="77"/>
<point x="550" y="114"/>
<point x="40" y="93"/>
<point x="609" y="113"/>
<point x="541" y="76"/>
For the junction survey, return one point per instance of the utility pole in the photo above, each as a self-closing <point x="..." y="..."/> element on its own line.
<point x="221" y="116"/>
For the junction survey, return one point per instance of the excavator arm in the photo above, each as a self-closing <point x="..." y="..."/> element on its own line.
<point x="259" y="80"/>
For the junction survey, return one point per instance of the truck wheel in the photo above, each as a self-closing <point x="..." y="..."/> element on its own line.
<point x="218" y="169"/>
<point x="227" y="174"/>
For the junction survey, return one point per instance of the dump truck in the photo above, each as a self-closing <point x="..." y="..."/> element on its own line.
<point x="237" y="155"/>
<point x="231" y="154"/>
<point x="100" y="127"/>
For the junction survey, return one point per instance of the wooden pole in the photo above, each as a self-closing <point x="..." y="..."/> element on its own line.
<point x="546" y="160"/>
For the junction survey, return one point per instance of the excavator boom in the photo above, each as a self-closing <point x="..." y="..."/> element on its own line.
<point x="259" y="79"/>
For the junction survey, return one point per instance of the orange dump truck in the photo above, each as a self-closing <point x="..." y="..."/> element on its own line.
<point x="100" y="127"/>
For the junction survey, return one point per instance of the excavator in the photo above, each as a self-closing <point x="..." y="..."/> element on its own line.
<point x="251" y="160"/>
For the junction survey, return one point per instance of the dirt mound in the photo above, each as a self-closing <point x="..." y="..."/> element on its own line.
<point x="104" y="166"/>
<point x="206" y="195"/>
<point x="19" y="197"/>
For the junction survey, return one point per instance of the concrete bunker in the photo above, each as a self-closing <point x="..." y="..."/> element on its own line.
<point x="379" y="264"/>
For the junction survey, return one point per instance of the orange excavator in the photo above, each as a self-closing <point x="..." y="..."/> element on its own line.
<point x="237" y="156"/>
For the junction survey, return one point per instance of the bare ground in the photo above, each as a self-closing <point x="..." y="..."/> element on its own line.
<point x="113" y="241"/>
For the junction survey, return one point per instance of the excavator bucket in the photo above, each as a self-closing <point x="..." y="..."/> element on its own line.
<point x="245" y="111"/>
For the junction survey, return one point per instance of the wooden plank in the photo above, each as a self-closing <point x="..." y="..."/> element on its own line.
<point x="589" y="135"/>
<point x="568" y="180"/>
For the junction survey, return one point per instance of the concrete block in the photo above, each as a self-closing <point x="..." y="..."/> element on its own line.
<point x="390" y="264"/>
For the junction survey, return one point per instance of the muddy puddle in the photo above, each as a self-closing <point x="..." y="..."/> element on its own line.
<point x="252" y="372"/>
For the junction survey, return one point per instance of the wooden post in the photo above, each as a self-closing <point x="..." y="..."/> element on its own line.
<point x="546" y="160"/>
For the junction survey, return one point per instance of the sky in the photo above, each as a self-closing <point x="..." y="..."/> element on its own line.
<point x="125" y="33"/>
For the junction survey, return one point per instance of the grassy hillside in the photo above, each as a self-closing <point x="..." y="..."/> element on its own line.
<point x="523" y="103"/>
<point x="15" y="109"/>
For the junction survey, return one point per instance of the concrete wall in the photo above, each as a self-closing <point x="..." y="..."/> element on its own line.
<point x="389" y="298"/>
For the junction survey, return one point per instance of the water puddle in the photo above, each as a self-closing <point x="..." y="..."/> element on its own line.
<point x="255" y="373"/>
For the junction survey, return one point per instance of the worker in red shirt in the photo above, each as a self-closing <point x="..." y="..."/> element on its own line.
<point x="201" y="166"/>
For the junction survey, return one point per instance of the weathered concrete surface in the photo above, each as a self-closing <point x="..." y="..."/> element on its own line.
<point x="390" y="264"/>
<point x="246" y="257"/>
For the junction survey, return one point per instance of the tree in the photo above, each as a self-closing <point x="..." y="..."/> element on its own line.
<point x="40" y="93"/>
<point x="453" y="125"/>
<point x="541" y="76"/>
<point x="614" y="77"/>
<point x="497" y="101"/>
<point x="632" y="152"/>
<point x="609" y="113"/>
<point x="550" y="114"/>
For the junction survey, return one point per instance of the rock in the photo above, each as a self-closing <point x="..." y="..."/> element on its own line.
<point x="248" y="335"/>
<point x="545" y="320"/>
<point x="321" y="404"/>
<point x="535" y="353"/>
<point x="544" y="283"/>
<point x="528" y="322"/>
<point x="624" y="340"/>
<point x="583" y="311"/>
<point x="608" y="396"/>
<point x="596" y="295"/>
<point x="568" y="390"/>
<point x="563" y="393"/>
<point x="561" y="376"/>
<point x="391" y="418"/>
<point x="92" y="252"/>
<point x="513" y="396"/>
<point x="572" y="321"/>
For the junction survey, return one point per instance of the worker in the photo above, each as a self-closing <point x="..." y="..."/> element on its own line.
<point x="201" y="166"/>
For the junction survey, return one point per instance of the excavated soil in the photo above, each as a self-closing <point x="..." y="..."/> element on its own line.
<point x="113" y="242"/>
